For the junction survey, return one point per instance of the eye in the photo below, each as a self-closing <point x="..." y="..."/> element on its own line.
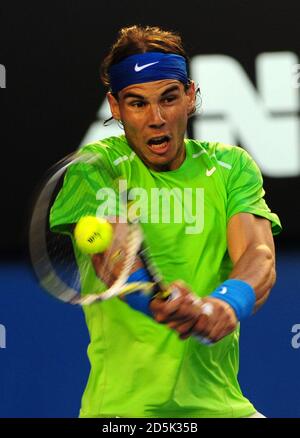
<point x="169" y="99"/>
<point x="137" y="103"/>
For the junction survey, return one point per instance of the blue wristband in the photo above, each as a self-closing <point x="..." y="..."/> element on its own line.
<point x="239" y="294"/>
<point x="138" y="300"/>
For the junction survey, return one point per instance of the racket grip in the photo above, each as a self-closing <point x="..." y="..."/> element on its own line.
<point x="170" y="294"/>
<point x="173" y="293"/>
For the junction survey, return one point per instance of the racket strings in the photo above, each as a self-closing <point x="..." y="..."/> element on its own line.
<point x="61" y="269"/>
<point x="128" y="241"/>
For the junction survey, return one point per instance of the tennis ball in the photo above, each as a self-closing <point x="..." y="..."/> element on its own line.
<point x="93" y="235"/>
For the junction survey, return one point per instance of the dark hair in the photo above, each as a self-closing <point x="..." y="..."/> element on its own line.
<point x="136" y="39"/>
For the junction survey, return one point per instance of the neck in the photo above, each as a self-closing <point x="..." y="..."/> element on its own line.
<point x="172" y="165"/>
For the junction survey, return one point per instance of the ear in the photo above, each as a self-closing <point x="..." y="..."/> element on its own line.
<point x="114" y="106"/>
<point x="191" y="95"/>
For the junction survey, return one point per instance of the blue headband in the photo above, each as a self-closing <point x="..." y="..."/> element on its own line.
<point x="147" y="67"/>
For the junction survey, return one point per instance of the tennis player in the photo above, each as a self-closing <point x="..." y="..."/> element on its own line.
<point x="213" y="233"/>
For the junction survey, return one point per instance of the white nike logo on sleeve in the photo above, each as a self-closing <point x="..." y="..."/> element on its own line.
<point x="223" y="291"/>
<point x="138" y="68"/>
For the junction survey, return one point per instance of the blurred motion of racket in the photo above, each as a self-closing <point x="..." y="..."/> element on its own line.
<point x="53" y="252"/>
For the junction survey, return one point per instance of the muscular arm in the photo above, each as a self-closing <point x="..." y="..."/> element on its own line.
<point x="251" y="249"/>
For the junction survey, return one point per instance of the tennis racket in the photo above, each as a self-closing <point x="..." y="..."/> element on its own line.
<point x="61" y="269"/>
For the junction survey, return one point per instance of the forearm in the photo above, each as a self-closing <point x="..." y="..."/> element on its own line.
<point x="257" y="267"/>
<point x="251" y="249"/>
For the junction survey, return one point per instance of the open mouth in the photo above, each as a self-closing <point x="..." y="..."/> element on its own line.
<point x="159" y="145"/>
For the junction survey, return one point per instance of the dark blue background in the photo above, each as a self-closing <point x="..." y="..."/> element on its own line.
<point x="44" y="368"/>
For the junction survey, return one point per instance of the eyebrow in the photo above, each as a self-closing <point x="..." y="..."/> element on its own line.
<point x="139" y="96"/>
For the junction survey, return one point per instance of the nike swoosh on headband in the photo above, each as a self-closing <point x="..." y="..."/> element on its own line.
<point x="138" y="68"/>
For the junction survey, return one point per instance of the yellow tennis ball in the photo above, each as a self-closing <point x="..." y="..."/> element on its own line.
<point x="93" y="234"/>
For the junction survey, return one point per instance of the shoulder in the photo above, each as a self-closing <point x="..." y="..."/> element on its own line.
<point x="113" y="148"/>
<point x="217" y="149"/>
<point x="225" y="155"/>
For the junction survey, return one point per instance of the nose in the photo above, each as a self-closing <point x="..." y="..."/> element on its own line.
<point x="156" y="118"/>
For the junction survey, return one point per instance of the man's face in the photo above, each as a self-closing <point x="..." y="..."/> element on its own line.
<point x="154" y="116"/>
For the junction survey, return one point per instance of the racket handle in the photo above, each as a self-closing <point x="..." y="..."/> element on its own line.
<point x="169" y="294"/>
<point x="173" y="293"/>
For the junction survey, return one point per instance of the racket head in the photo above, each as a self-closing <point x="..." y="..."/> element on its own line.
<point x="58" y="264"/>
